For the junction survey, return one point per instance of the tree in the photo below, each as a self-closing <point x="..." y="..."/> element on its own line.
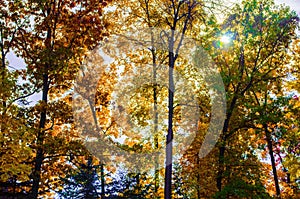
<point x="177" y="23"/>
<point x="151" y="77"/>
<point x="84" y="182"/>
<point x="129" y="185"/>
<point x="15" y="133"/>
<point x="261" y="33"/>
<point x="53" y="48"/>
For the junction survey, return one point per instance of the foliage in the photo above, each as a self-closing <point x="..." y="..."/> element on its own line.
<point x="83" y="183"/>
<point x="42" y="150"/>
<point x="130" y="185"/>
<point x="240" y="189"/>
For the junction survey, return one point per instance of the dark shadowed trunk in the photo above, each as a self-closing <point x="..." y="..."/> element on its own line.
<point x="102" y="182"/>
<point x="39" y="143"/>
<point x="173" y="55"/>
<point x="271" y="153"/>
<point x="169" y="138"/>
<point x="36" y="175"/>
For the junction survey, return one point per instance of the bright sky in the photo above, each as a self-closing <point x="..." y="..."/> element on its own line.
<point x="294" y="4"/>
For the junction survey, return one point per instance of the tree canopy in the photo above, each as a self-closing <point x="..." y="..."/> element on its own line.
<point x="149" y="99"/>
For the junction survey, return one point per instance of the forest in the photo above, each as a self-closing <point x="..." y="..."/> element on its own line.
<point x="191" y="99"/>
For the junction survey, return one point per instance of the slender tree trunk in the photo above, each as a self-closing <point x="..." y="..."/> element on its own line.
<point x="3" y="96"/>
<point x="221" y="167"/>
<point x="225" y="133"/>
<point x="271" y="153"/>
<point x="224" y="137"/>
<point x="169" y="138"/>
<point x="138" y="184"/>
<point x="270" y="147"/>
<point x="102" y="182"/>
<point x="155" y="114"/>
<point x="2" y="75"/>
<point x="222" y="152"/>
<point x="198" y="179"/>
<point x="40" y="140"/>
<point x="36" y="176"/>
<point x="155" y="130"/>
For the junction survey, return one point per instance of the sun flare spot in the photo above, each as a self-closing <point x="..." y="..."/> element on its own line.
<point x="225" y="39"/>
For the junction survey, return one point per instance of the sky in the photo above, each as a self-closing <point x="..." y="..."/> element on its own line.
<point x="294" y="4"/>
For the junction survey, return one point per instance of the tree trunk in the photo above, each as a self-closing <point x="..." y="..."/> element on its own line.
<point x="225" y="133"/>
<point x="198" y="178"/>
<point x="221" y="165"/>
<point x="222" y="148"/>
<point x="36" y="175"/>
<point x="271" y="153"/>
<point x="3" y="77"/>
<point x="169" y="140"/>
<point x="102" y="182"/>
<point x="155" y="114"/>
<point x="40" y="140"/>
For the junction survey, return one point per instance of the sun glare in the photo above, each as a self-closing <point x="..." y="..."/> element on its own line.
<point x="225" y="39"/>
